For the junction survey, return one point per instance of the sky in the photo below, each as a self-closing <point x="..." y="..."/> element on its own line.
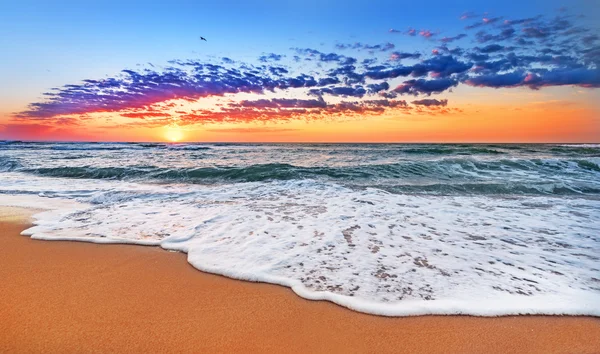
<point x="300" y="71"/>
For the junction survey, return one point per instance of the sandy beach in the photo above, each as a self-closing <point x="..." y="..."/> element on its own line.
<point x="79" y="297"/>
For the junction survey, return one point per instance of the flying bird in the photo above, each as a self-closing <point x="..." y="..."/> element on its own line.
<point x="203" y="39"/>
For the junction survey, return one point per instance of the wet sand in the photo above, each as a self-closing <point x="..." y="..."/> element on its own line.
<point x="75" y="297"/>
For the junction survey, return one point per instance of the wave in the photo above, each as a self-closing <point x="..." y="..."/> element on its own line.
<point x="368" y="250"/>
<point x="7" y="164"/>
<point x="20" y="145"/>
<point x="447" y="176"/>
<point x="453" y="151"/>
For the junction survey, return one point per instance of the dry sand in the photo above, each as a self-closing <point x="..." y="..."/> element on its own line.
<point x="71" y="297"/>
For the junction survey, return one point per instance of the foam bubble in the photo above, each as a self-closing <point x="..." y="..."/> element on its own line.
<point x="368" y="250"/>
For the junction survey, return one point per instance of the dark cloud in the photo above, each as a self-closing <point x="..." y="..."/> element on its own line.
<point x="395" y="56"/>
<point x="590" y="39"/>
<point x="426" y="87"/>
<point x="535" y="32"/>
<point x="491" y="48"/>
<point x="325" y="57"/>
<point x="375" y="88"/>
<point x="484" y="21"/>
<point x="540" y="78"/>
<point x="344" y="91"/>
<point x="278" y="71"/>
<point x="409" y="32"/>
<point x="282" y="103"/>
<point x="348" y="74"/>
<point x="430" y="102"/>
<point x="270" y="57"/>
<point x="372" y="48"/>
<point x="505" y="34"/>
<point x="497" y="80"/>
<point x="138" y="89"/>
<point x="272" y="110"/>
<point x="582" y="77"/>
<point x="453" y="51"/>
<point x="521" y="21"/>
<point x="383" y="72"/>
<point x="438" y="66"/>
<point x="452" y="39"/>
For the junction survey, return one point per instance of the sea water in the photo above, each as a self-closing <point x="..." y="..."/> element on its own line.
<point x="388" y="229"/>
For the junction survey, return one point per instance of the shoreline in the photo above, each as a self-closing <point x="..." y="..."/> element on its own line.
<point x="81" y="297"/>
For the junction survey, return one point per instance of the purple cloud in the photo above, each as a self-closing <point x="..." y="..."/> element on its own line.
<point x="531" y="52"/>
<point x="395" y="56"/>
<point x="452" y="39"/>
<point x="426" y="87"/>
<point x="372" y="48"/>
<point x="430" y="102"/>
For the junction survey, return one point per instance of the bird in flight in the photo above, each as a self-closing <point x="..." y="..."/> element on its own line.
<point x="203" y="39"/>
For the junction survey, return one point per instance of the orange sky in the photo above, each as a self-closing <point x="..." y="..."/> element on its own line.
<point x="550" y="121"/>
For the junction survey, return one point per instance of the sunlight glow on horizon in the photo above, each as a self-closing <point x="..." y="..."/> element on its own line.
<point x="174" y="134"/>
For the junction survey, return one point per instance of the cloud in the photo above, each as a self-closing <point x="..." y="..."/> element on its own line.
<point x="143" y="115"/>
<point x="267" y="111"/>
<point x="497" y="80"/>
<point x="383" y="47"/>
<point x="440" y="66"/>
<point x="430" y="102"/>
<point x="563" y="77"/>
<point x="452" y="39"/>
<point x="409" y="32"/>
<point x="540" y="78"/>
<point x="325" y="57"/>
<point x="427" y="87"/>
<point x="590" y="39"/>
<point x="491" y="48"/>
<point x="282" y="103"/>
<point x="484" y="21"/>
<point x="521" y="21"/>
<point x="269" y="57"/>
<point x="505" y="34"/>
<point x="467" y="15"/>
<point x="533" y="52"/>
<point x="375" y="88"/>
<point x="396" y="56"/>
<point x="426" y="33"/>
<point x="139" y="89"/>
<point x="344" y="91"/>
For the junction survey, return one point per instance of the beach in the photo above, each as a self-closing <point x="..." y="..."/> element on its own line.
<point x="82" y="297"/>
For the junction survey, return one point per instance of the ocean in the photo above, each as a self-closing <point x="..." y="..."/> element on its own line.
<point x="387" y="229"/>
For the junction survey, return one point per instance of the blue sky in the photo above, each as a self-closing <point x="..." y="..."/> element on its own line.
<point x="50" y="43"/>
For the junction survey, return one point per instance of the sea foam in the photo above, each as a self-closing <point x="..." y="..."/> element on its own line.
<point x="365" y="249"/>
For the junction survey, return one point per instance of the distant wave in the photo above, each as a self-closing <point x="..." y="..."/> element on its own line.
<point x="448" y="176"/>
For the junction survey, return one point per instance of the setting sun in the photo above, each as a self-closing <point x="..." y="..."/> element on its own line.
<point x="174" y="134"/>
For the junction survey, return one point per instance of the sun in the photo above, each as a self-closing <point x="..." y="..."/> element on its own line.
<point x="174" y="134"/>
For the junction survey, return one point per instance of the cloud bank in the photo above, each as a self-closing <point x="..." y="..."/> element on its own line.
<point x="306" y="83"/>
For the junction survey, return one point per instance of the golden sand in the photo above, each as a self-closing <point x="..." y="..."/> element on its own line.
<point x="75" y="297"/>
